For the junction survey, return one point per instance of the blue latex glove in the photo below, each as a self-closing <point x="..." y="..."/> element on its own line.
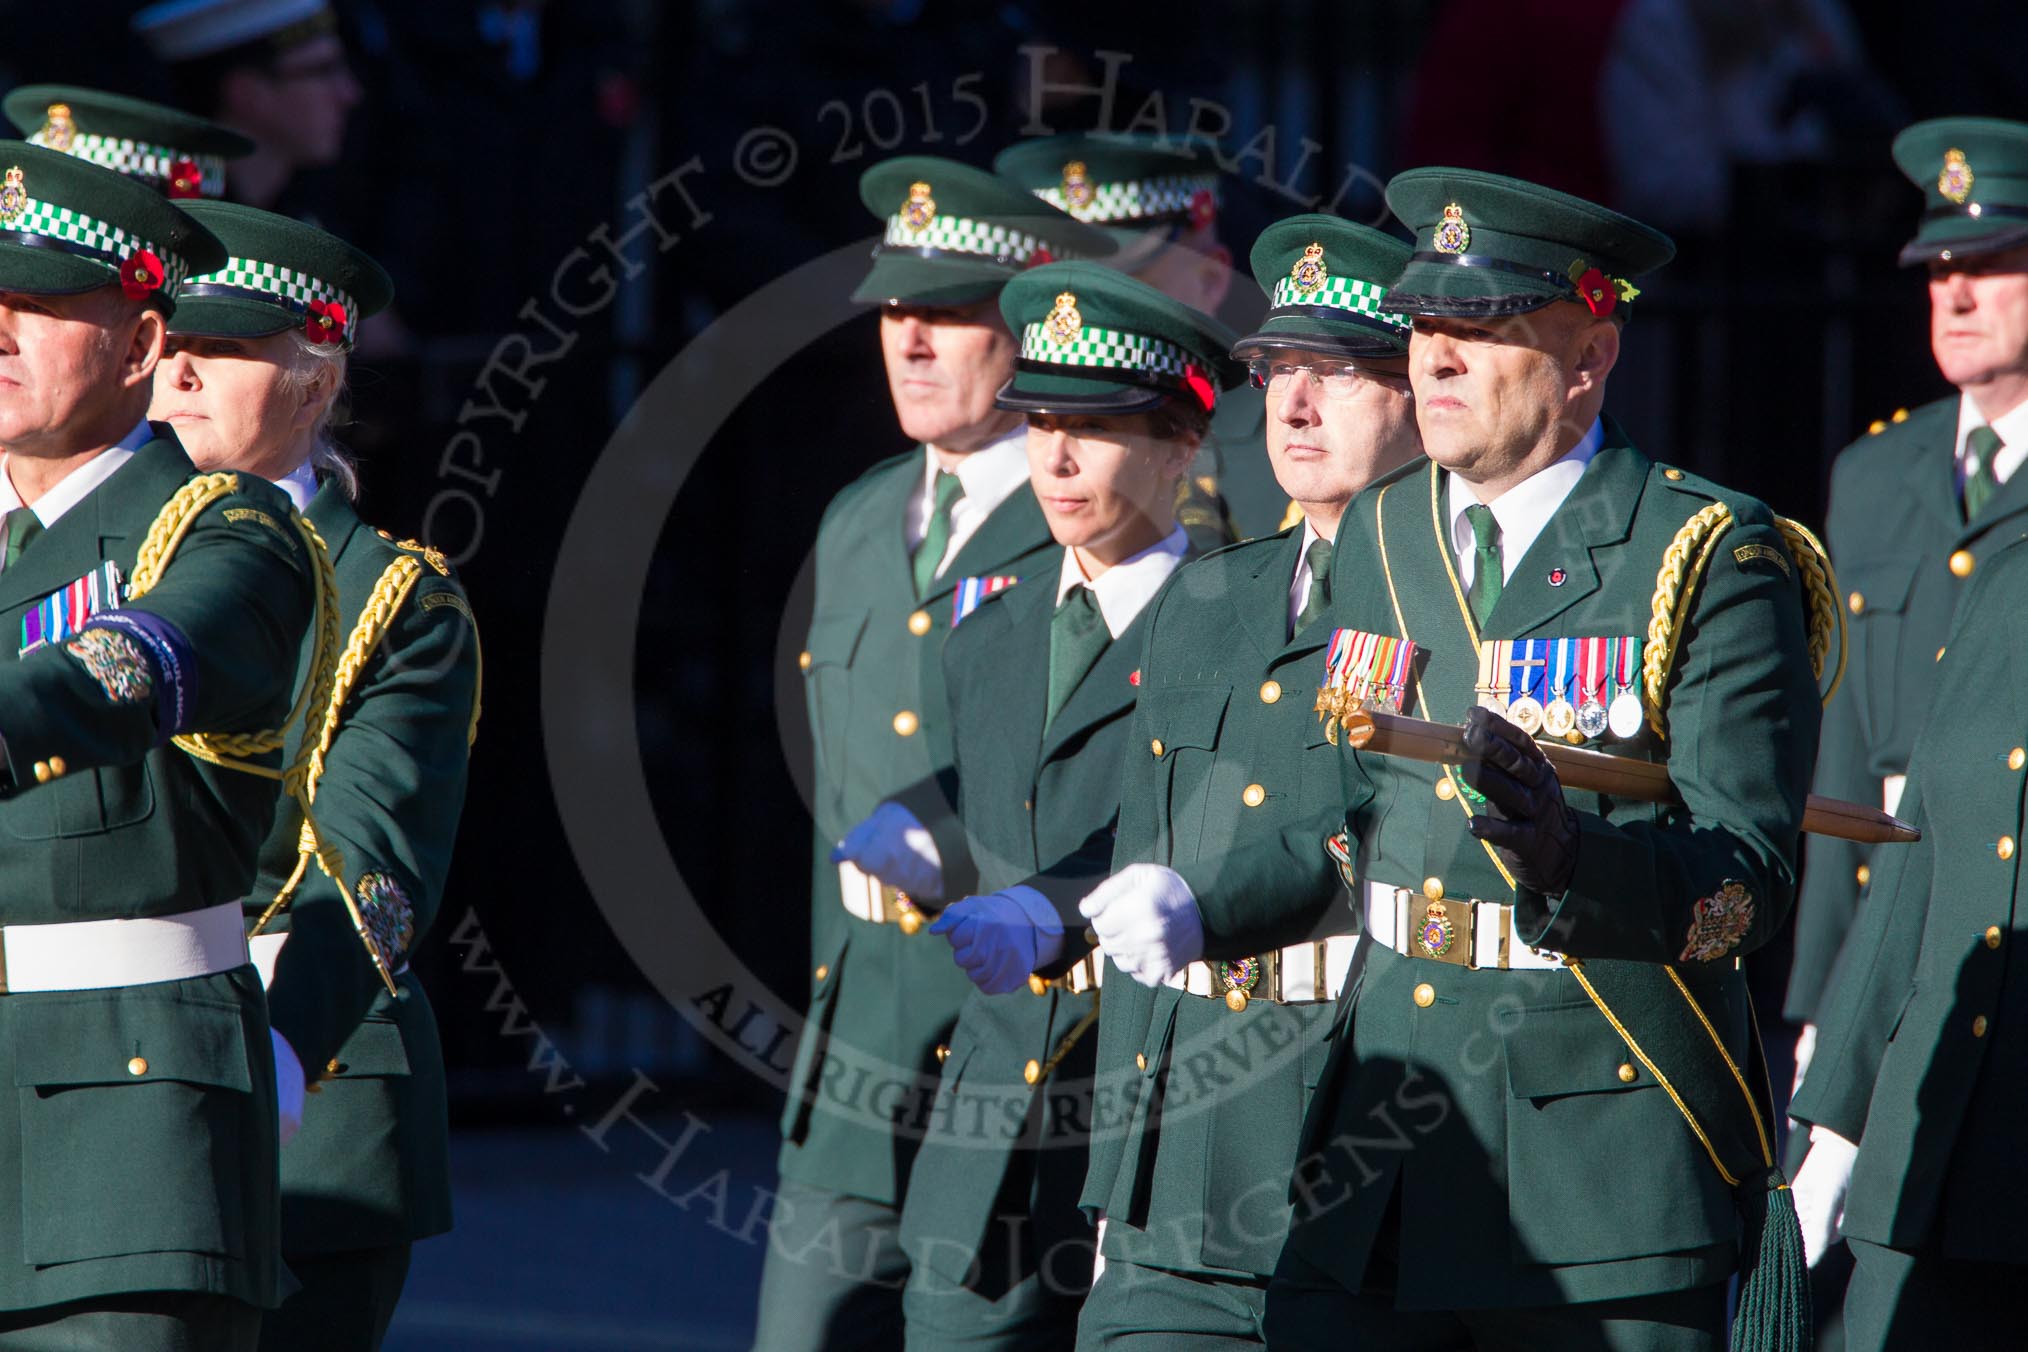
<point x="1002" y="937"/>
<point x="894" y="847"/>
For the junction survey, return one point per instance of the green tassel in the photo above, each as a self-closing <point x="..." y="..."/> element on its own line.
<point x="1774" y="1276"/>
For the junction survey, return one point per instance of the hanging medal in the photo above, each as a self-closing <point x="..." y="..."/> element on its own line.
<point x="1525" y="678"/>
<point x="1493" y="674"/>
<point x="1591" y="709"/>
<point x="1559" y="717"/>
<point x="1360" y="671"/>
<point x="1399" y="663"/>
<point x="1625" y="716"/>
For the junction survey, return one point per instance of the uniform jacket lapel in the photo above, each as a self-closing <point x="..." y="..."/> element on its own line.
<point x="98" y="527"/>
<point x="1014" y="528"/>
<point x="1260" y="602"/>
<point x="2004" y="511"/>
<point x="1016" y="661"/>
<point x="1598" y="513"/>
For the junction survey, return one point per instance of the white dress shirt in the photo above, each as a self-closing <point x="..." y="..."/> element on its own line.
<point x="300" y="484"/>
<point x="75" y="486"/>
<point x="990" y="475"/>
<point x="1522" y="511"/>
<point x="2013" y="429"/>
<point x="1299" y="589"/>
<point x="1123" y="589"/>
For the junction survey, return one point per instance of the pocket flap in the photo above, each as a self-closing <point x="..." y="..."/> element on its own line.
<point x="1880" y="584"/>
<point x="127" y="1038"/>
<point x="376" y="1047"/>
<point x="1191" y="717"/>
<point x="834" y="637"/>
<point x="1568" y="1049"/>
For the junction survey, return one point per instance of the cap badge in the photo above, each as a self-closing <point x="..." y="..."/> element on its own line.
<point x="1309" y="272"/>
<point x="920" y="208"/>
<point x="1955" y="182"/>
<point x="1064" y="323"/>
<point x="57" y="127"/>
<point x="13" y="197"/>
<point x="1453" y="236"/>
<point x="1077" y="186"/>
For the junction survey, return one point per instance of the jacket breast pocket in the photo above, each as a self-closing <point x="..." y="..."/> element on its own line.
<point x="1186" y="726"/>
<point x="140" y="1128"/>
<point x="1878" y="628"/>
<point x="82" y="803"/>
<point x="827" y="677"/>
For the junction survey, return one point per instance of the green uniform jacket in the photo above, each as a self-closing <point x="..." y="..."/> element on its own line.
<point x="1922" y="1044"/>
<point x="1198" y="1178"/>
<point x="1895" y="526"/>
<point x="881" y="1000"/>
<point x="371" y="1166"/>
<point x="1029" y="801"/>
<point x="1539" y="1158"/>
<point x="142" y="1147"/>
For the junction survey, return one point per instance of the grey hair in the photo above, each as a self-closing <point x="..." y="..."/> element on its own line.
<point x="328" y="458"/>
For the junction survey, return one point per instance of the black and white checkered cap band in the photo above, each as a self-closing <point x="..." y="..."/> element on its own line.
<point x="1134" y="199"/>
<point x="961" y="234"/>
<point x="1340" y="293"/>
<point x="1106" y="349"/>
<point x="141" y="159"/>
<point x="252" y="279"/>
<point x="41" y="224"/>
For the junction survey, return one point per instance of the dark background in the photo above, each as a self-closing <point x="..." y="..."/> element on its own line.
<point x="474" y="167"/>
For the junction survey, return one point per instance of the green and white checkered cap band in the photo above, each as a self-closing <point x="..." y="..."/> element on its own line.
<point x="140" y="159"/>
<point x="1134" y="199"/>
<point x="1108" y="349"/>
<point x="1341" y="293"/>
<point x="961" y="234"/>
<point x="267" y="282"/>
<point x="83" y="236"/>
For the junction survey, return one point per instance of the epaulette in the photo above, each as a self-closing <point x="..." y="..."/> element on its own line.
<point x="430" y="554"/>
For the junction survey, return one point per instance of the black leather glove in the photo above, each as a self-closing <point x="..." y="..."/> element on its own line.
<point x="1524" y="817"/>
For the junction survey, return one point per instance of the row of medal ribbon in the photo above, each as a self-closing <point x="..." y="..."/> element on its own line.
<point x="1569" y="688"/>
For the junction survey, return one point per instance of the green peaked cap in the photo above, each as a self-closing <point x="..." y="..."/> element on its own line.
<point x="1141" y="189"/>
<point x="278" y="274"/>
<point x="1486" y="244"/>
<point x="67" y="226"/>
<point x="1973" y="172"/>
<point x="176" y="154"/>
<point x="1094" y="340"/>
<point x="957" y="234"/>
<point x="1325" y="280"/>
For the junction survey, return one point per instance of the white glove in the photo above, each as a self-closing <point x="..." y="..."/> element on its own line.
<point x="1098" y="1251"/>
<point x="1820" y="1187"/>
<point x="288" y="1087"/>
<point x="1806" y="1047"/>
<point x="1001" y="937"/>
<point x="1146" y="921"/>
<point x="895" y="848"/>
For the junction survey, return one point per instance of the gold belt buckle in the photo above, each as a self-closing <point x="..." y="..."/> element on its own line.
<point x="1440" y="928"/>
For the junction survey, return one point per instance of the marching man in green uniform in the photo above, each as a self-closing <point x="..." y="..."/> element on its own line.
<point x="1118" y="383"/>
<point x="256" y="361"/>
<point x="1193" y="1191"/>
<point x="156" y="620"/>
<point x="1921" y="1053"/>
<point x="903" y="553"/>
<point x="1159" y="201"/>
<point x="1535" y="1128"/>
<point x="1918" y="502"/>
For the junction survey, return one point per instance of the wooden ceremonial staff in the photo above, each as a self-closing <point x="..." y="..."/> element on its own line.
<point x="1620" y="776"/>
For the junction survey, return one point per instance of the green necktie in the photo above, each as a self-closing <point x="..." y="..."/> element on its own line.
<point x="1982" y="483"/>
<point x="1077" y="635"/>
<point x="936" y="535"/>
<point x="1319" y="556"/>
<point x="1487" y="578"/>
<point x="22" y="527"/>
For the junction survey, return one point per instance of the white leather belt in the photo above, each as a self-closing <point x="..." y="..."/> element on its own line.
<point x="266" y="948"/>
<point x="89" y="955"/>
<point x="1301" y="974"/>
<point x="1449" y="929"/>
<point x="1086" y="974"/>
<point x="1890" y="793"/>
<point x="867" y="898"/>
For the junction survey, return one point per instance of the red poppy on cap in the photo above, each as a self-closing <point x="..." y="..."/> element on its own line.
<point x="1595" y="289"/>
<point x="141" y="275"/>
<point x="325" y="323"/>
<point x="186" y="179"/>
<point x="1200" y="385"/>
<point x="1040" y="256"/>
<point x="1203" y="208"/>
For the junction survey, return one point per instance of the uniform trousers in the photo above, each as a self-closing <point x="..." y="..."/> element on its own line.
<point x="1133" y="1308"/>
<point x="833" y="1276"/>
<point x="345" y="1304"/>
<point x="144" y="1321"/>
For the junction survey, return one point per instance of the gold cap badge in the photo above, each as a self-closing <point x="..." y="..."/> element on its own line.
<point x="1077" y="186"/>
<point x="57" y="127"/>
<point x="1955" y="182"/>
<point x="1453" y="236"/>
<point x="13" y="196"/>
<point x="1064" y="323"/>
<point x="920" y="208"/>
<point x="1309" y="272"/>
